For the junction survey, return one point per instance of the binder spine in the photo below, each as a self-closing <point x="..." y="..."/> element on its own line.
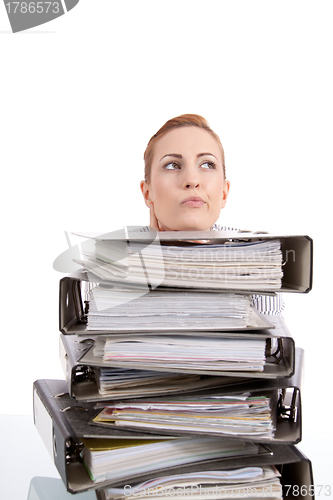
<point x="64" y="447"/>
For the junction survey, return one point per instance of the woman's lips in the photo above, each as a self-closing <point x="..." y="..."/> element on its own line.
<point x="193" y="201"/>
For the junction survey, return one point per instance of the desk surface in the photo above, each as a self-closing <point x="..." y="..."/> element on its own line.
<point x="26" y="465"/>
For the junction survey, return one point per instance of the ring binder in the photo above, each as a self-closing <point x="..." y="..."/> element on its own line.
<point x="73" y="313"/>
<point x="81" y="367"/>
<point x="69" y="428"/>
<point x="295" y="469"/>
<point x="279" y="363"/>
<point x="288" y="415"/>
<point x="297" y="250"/>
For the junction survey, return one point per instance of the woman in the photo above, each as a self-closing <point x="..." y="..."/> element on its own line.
<point x="185" y="185"/>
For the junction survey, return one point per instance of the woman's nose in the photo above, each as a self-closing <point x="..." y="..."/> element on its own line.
<point x="192" y="185"/>
<point x="191" y="178"/>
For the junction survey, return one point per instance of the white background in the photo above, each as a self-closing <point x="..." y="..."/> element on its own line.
<point x="80" y="98"/>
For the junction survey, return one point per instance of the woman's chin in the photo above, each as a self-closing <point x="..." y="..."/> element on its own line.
<point x="188" y="225"/>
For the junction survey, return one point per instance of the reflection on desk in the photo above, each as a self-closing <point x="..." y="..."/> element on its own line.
<point x="49" y="488"/>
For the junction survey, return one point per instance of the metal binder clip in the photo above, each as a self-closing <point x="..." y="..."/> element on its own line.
<point x="61" y="395"/>
<point x="80" y="310"/>
<point x="266" y="449"/>
<point x="277" y="354"/>
<point x="76" y="305"/>
<point x="84" y="341"/>
<point x="73" y="450"/>
<point x="285" y="411"/>
<point x="88" y="342"/>
<point x="73" y="408"/>
<point x="83" y="373"/>
<point x="86" y="307"/>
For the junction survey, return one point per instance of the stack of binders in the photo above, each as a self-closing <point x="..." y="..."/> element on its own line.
<point x="175" y="380"/>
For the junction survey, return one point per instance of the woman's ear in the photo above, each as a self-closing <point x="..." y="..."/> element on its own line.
<point x="146" y="192"/>
<point x="226" y="188"/>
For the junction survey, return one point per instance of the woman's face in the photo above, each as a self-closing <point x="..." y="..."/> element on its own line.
<point x="187" y="185"/>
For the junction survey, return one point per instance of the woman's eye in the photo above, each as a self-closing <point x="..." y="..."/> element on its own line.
<point x="171" y="166"/>
<point x="208" y="165"/>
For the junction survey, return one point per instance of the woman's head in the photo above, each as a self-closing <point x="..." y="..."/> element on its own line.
<point x="180" y="121"/>
<point x="185" y="183"/>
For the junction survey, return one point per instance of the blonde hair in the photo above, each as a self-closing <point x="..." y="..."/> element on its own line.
<point x="187" y="120"/>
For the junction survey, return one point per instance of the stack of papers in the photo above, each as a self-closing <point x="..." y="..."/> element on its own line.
<point x="120" y="458"/>
<point x="255" y="265"/>
<point x="242" y="416"/>
<point x="196" y="354"/>
<point x="117" y="383"/>
<point x="247" y="482"/>
<point x="115" y="309"/>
